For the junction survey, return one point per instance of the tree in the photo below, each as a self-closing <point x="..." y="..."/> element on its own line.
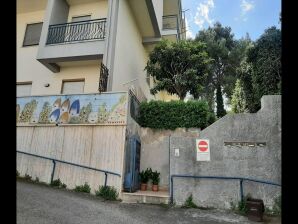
<point x="178" y="67"/>
<point x="220" y="44"/>
<point x="265" y="59"/>
<point x="238" y="98"/>
<point x="220" y="110"/>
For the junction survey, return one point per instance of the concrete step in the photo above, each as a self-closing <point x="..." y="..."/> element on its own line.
<point x="147" y="197"/>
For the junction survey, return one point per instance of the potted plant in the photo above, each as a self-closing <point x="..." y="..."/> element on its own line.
<point x="155" y="180"/>
<point x="144" y="176"/>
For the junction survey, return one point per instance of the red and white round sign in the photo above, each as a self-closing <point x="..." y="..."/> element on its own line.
<point x="203" y="146"/>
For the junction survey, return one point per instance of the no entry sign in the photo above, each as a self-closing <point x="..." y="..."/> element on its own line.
<point x="203" y="150"/>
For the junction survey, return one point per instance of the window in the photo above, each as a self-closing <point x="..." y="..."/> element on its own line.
<point x="24" y="89"/>
<point x="32" y="34"/>
<point x="73" y="86"/>
<point x="80" y="18"/>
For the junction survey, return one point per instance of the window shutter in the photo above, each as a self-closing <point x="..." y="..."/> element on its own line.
<point x="73" y="87"/>
<point x="32" y="34"/>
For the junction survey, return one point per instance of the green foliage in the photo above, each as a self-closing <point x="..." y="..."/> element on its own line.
<point x="145" y="175"/>
<point x="265" y="59"/>
<point x="241" y="206"/>
<point x="189" y="203"/>
<point x="36" y="180"/>
<point x="220" y="110"/>
<point x="56" y="183"/>
<point x="175" y="114"/>
<point x="28" y="177"/>
<point x="238" y="98"/>
<point x="155" y="177"/>
<point x="276" y="209"/>
<point x="107" y="192"/>
<point x="226" y="55"/>
<point x="18" y="174"/>
<point x="83" y="188"/>
<point x="178" y="67"/>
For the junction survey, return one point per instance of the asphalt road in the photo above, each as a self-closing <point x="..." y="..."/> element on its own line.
<point x="38" y="204"/>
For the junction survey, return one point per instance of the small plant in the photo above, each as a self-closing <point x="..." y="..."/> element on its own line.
<point x="36" y="180"/>
<point x="189" y="203"/>
<point x="56" y="183"/>
<point x="18" y="174"/>
<point x="242" y="205"/>
<point x="145" y="175"/>
<point x="28" y="177"/>
<point x="63" y="186"/>
<point x="277" y="206"/>
<point x="83" y="188"/>
<point x="155" y="177"/>
<point x="107" y="192"/>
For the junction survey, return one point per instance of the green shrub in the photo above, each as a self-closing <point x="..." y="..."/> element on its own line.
<point x="175" y="114"/>
<point x="28" y="177"/>
<point x="155" y="177"/>
<point x="242" y="205"/>
<point x="63" y="186"/>
<point x="107" y="192"/>
<point x="56" y="183"/>
<point x="83" y="188"/>
<point x="145" y="175"/>
<point x="189" y="203"/>
<point x="18" y="174"/>
<point x="277" y="206"/>
<point x="36" y="180"/>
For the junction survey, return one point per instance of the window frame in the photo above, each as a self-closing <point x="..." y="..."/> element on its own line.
<point x="28" y="24"/>
<point x="72" y="80"/>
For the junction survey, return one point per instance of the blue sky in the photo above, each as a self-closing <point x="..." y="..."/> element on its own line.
<point x="252" y="16"/>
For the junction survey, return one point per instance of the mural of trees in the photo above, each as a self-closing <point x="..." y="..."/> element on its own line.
<point x="103" y="113"/>
<point x="45" y="113"/>
<point x="27" y="112"/>
<point x="84" y="113"/>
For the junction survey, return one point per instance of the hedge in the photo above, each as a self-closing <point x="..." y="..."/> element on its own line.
<point x="175" y="114"/>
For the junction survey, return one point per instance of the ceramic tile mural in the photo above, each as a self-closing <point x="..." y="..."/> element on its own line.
<point x="104" y="109"/>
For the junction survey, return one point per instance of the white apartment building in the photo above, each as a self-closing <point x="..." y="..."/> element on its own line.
<point x="80" y="75"/>
<point x="61" y="44"/>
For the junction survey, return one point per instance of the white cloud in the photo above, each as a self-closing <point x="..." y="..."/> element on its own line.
<point x="246" y="6"/>
<point x="202" y="14"/>
<point x="189" y="33"/>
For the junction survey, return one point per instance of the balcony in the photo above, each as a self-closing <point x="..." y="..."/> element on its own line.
<point x="77" y="31"/>
<point x="170" y="27"/>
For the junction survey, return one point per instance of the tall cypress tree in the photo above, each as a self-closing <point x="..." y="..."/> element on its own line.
<point x="220" y="110"/>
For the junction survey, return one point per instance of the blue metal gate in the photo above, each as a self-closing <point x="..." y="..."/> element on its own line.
<point x="132" y="167"/>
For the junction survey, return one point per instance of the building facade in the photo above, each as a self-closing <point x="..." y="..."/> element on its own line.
<point x="61" y="44"/>
<point x="80" y="76"/>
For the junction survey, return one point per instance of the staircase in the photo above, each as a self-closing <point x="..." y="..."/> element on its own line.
<point x="147" y="197"/>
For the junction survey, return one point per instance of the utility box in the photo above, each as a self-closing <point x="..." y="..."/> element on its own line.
<point x="256" y="209"/>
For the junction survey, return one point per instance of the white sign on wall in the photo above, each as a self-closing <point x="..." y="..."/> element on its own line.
<point x="203" y="149"/>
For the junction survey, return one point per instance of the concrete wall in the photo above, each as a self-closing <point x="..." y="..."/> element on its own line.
<point x="257" y="162"/>
<point x="99" y="147"/>
<point x="155" y="150"/>
<point x="158" y="8"/>
<point x="130" y="54"/>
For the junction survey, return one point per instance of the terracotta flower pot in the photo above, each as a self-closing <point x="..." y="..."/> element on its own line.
<point x="154" y="187"/>
<point x="143" y="187"/>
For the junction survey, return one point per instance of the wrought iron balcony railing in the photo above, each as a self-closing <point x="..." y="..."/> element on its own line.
<point x="77" y="31"/>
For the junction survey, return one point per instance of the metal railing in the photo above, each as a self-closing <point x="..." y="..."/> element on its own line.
<point x="69" y="163"/>
<point x="241" y="179"/>
<point x="77" y="31"/>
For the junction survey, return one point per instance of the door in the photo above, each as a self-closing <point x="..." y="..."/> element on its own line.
<point x="132" y="165"/>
